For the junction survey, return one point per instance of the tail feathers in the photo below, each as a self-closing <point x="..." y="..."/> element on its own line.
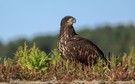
<point x="107" y="61"/>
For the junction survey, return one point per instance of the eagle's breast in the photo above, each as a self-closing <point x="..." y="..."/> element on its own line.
<point x="64" y="38"/>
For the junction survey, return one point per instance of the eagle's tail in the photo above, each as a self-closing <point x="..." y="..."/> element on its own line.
<point x="107" y="61"/>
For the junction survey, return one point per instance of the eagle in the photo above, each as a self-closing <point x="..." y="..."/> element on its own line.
<point x="73" y="47"/>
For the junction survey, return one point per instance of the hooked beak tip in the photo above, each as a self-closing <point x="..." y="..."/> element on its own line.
<point x="74" y="20"/>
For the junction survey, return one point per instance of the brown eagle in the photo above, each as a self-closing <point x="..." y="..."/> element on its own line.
<point x="74" y="47"/>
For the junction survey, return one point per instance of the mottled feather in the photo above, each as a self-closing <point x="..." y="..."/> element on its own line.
<point x="74" y="47"/>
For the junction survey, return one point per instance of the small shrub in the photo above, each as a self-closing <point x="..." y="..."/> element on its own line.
<point x="32" y="59"/>
<point x="55" y="57"/>
<point x="6" y="70"/>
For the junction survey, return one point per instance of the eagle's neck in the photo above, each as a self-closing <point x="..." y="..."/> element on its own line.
<point x="67" y="31"/>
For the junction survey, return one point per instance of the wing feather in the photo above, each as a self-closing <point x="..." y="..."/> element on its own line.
<point x="83" y="50"/>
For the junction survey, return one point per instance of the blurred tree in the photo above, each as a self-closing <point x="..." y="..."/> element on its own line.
<point x="45" y="43"/>
<point x="114" y="39"/>
<point x="1" y="50"/>
<point x="12" y="46"/>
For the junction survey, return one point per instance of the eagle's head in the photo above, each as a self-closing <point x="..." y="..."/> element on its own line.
<point x="68" y="20"/>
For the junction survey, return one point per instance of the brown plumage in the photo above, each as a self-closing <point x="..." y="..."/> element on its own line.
<point x="73" y="47"/>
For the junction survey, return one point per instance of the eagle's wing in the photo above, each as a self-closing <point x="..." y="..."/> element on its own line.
<point x="83" y="50"/>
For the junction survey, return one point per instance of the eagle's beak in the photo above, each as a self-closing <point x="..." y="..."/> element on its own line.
<point x="74" y="20"/>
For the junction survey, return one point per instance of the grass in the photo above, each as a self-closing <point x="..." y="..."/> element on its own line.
<point x="35" y="65"/>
